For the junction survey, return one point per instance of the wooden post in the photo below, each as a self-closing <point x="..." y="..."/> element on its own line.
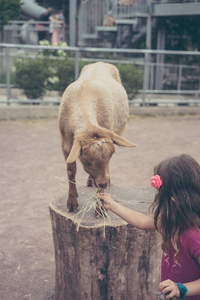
<point x="122" y="265"/>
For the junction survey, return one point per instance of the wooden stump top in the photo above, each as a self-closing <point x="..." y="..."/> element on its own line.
<point x="139" y="199"/>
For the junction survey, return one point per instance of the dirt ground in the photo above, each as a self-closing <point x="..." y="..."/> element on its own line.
<point x="31" y="173"/>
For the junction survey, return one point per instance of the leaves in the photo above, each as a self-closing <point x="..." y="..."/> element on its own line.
<point x="182" y="33"/>
<point x="131" y="77"/>
<point x="9" y="10"/>
<point x="31" y="75"/>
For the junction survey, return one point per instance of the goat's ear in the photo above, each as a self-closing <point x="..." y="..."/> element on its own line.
<point x="120" y="141"/>
<point x="75" y="152"/>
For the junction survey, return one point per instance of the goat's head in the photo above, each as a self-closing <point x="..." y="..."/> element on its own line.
<point x="95" y="157"/>
<point x="95" y="153"/>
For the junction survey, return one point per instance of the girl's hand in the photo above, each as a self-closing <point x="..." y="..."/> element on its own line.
<point x="107" y="198"/>
<point x="169" y="289"/>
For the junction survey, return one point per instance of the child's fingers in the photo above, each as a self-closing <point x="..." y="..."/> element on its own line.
<point x="105" y="197"/>
<point x="102" y="195"/>
<point x="164" y="284"/>
<point x="168" y="288"/>
<point x="99" y="195"/>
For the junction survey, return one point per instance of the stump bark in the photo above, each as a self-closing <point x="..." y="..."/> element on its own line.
<point x="103" y="260"/>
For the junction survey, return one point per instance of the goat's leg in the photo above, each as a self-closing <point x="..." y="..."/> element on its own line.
<point x="72" y="203"/>
<point x="100" y="209"/>
<point x="89" y="181"/>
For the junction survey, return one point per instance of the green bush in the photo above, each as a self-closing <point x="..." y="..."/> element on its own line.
<point x="131" y="77"/>
<point x="50" y="70"/>
<point x="3" y="77"/>
<point x="9" y="10"/>
<point x="31" y="75"/>
<point x="65" y="74"/>
<point x="44" y="72"/>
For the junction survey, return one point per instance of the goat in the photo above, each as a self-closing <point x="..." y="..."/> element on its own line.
<point x="92" y="115"/>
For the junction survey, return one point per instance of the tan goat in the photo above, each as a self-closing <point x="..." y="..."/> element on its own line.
<point x="93" y="114"/>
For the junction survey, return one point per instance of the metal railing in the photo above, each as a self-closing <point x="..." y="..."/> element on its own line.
<point x="97" y="16"/>
<point x="169" y="79"/>
<point x="174" y="1"/>
<point x="106" y="22"/>
<point x="18" y="31"/>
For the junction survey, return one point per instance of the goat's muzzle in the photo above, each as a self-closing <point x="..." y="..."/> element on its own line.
<point x="103" y="185"/>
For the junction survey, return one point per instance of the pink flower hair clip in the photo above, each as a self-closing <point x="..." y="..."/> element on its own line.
<point x="156" y="182"/>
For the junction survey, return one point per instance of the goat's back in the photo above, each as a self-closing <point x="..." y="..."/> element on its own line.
<point x="100" y="71"/>
<point x="97" y="98"/>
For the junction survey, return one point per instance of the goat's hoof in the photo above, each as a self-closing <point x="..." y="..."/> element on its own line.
<point x="72" y="208"/>
<point x="75" y="209"/>
<point x="100" y="211"/>
<point x="98" y="214"/>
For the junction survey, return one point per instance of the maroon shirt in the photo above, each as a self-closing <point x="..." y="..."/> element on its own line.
<point x="187" y="269"/>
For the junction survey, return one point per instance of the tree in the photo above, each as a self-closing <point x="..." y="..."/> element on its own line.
<point x="9" y="10"/>
<point x="59" y="4"/>
<point x="182" y="33"/>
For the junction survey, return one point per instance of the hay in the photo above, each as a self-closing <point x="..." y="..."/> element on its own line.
<point x="91" y="202"/>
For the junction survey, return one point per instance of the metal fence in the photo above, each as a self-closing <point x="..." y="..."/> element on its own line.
<point x="98" y="18"/>
<point x="110" y="21"/>
<point x="17" y="32"/>
<point x="175" y="1"/>
<point x="168" y="76"/>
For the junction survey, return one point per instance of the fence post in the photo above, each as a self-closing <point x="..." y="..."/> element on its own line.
<point x="76" y="64"/>
<point x="72" y="22"/>
<point x="179" y="79"/>
<point x="8" y="74"/>
<point x="145" y="77"/>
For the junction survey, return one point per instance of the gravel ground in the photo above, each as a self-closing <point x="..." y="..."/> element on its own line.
<point x="32" y="168"/>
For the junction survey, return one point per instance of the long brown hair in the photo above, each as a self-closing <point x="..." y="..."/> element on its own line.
<point x="176" y="206"/>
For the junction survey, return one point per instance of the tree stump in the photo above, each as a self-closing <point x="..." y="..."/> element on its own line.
<point x="104" y="261"/>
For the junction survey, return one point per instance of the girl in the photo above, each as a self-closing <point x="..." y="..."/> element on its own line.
<point x="176" y="216"/>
